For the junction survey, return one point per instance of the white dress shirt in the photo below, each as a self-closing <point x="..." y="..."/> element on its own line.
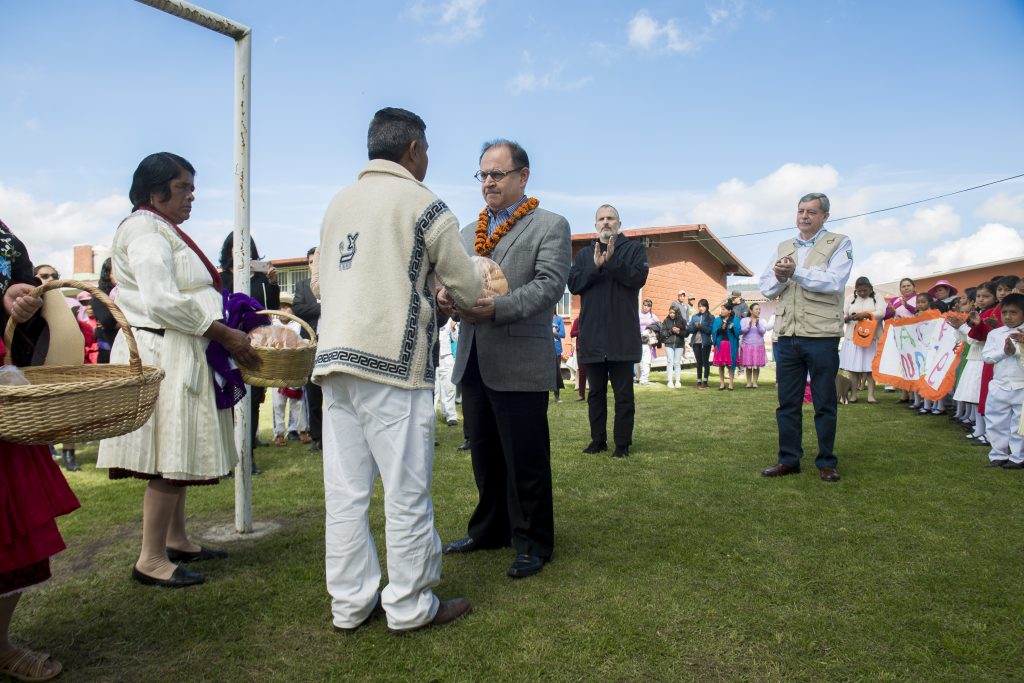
<point x="824" y="280"/>
<point x="1007" y="372"/>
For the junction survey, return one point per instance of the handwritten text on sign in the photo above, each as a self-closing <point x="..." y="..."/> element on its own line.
<point x="919" y="354"/>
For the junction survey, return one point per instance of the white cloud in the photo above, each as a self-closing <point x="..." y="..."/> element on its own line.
<point x="49" y="229"/>
<point x="648" y="34"/>
<point x="768" y="203"/>
<point x="990" y="242"/>
<point x="932" y="222"/>
<point x="456" y="20"/>
<point x="530" y="79"/>
<point x="1003" y="208"/>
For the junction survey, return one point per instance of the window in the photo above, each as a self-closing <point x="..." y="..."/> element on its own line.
<point x="564" y="307"/>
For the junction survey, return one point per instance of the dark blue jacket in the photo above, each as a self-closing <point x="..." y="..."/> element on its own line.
<point x="700" y="328"/>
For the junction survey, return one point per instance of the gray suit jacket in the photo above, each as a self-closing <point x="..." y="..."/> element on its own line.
<point x="515" y="351"/>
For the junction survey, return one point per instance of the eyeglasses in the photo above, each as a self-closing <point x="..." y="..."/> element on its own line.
<point x="498" y="176"/>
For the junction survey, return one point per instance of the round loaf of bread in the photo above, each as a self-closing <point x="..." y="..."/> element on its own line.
<point x="495" y="283"/>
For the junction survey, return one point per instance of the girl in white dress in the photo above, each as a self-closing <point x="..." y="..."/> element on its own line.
<point x="857" y="359"/>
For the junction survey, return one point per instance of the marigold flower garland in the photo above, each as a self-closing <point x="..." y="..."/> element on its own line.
<point x="485" y="245"/>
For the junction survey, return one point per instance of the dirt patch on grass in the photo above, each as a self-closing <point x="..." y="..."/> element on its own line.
<point x="82" y="559"/>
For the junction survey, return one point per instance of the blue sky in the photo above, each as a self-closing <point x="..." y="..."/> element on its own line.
<point x="721" y="113"/>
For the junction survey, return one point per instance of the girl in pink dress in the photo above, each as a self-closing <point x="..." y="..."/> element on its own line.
<point x="725" y="332"/>
<point x="752" y="355"/>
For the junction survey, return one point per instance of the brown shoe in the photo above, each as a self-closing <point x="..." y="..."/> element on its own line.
<point x="829" y="474"/>
<point x="780" y="470"/>
<point x="447" y="612"/>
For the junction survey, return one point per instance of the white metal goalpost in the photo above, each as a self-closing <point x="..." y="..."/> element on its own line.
<point x="242" y="35"/>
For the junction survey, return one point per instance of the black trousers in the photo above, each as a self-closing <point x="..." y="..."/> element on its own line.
<point x="315" y="401"/>
<point x="702" y="352"/>
<point x="620" y="374"/>
<point x="511" y="453"/>
<point x="798" y="357"/>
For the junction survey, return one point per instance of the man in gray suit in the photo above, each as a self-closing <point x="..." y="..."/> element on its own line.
<point x="505" y="364"/>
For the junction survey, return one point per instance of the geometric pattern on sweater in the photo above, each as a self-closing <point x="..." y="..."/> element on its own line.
<point x="400" y="367"/>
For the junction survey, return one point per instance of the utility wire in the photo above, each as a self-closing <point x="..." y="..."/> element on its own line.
<point x="846" y="218"/>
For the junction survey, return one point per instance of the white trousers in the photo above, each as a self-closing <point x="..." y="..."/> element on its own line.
<point x="296" y="413"/>
<point x="645" y="364"/>
<point x="1002" y="415"/>
<point x="370" y="429"/>
<point x="444" y="390"/>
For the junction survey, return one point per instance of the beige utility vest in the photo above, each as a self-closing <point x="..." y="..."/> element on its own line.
<point x="801" y="313"/>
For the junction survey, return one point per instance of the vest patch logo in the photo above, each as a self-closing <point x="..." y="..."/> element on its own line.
<point x="347" y="254"/>
<point x="849" y="254"/>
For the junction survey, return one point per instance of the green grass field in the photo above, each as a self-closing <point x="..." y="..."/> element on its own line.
<point x="679" y="563"/>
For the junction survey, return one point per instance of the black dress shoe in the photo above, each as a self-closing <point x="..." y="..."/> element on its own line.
<point x="464" y="446"/>
<point x="621" y="452"/>
<point x="316" y="446"/>
<point x="526" y="565"/>
<point x="181" y="578"/>
<point x="1011" y="465"/>
<point x="596" y="447"/>
<point x="463" y="545"/>
<point x="177" y="556"/>
<point x="996" y="463"/>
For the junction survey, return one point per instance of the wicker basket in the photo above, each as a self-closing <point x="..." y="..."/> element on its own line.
<point x="283" y="367"/>
<point x="79" y="402"/>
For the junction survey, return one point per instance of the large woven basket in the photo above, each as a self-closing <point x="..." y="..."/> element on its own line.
<point x="79" y="402"/>
<point x="283" y="367"/>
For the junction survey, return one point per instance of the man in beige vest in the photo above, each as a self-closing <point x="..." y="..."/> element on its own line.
<point x="808" y="277"/>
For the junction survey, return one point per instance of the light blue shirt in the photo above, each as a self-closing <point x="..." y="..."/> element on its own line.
<point x="830" y="279"/>
<point x="496" y="219"/>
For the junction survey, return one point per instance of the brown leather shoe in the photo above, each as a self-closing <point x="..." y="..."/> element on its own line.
<point x="447" y="612"/>
<point x="829" y="474"/>
<point x="780" y="470"/>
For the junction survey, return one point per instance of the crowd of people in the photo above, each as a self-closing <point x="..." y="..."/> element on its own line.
<point x="370" y="403"/>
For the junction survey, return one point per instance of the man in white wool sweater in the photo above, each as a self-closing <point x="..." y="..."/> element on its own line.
<point x="383" y="240"/>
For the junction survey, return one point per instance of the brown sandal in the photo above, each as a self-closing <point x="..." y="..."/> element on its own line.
<point x="27" y="665"/>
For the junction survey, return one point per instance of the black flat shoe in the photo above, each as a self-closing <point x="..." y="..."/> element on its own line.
<point x="526" y="565"/>
<point x="177" y="556"/>
<point x="595" y="447"/>
<point x="463" y="545"/>
<point x="181" y="578"/>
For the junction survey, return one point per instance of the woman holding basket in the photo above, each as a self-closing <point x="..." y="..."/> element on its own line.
<point x="170" y="293"/>
<point x="33" y="492"/>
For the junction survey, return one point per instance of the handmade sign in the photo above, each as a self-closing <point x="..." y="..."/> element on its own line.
<point x="919" y="354"/>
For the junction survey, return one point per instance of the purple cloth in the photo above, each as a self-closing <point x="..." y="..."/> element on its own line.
<point x="240" y="314"/>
